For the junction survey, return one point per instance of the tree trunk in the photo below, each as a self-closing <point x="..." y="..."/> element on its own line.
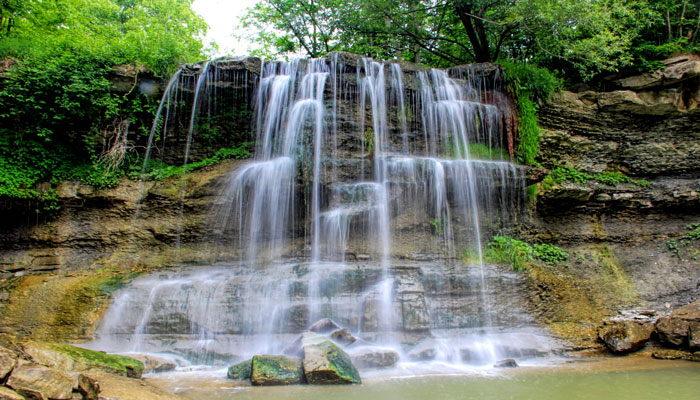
<point x="476" y="33"/>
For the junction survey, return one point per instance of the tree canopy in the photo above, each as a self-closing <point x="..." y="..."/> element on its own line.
<point x="581" y="37"/>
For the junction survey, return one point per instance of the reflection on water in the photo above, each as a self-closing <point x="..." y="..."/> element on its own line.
<point x="618" y="378"/>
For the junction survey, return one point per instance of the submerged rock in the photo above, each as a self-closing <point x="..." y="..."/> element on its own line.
<point x="326" y="363"/>
<point x="153" y="363"/>
<point x="30" y="379"/>
<point x="240" y="371"/>
<point x="507" y="363"/>
<point x="374" y="357"/>
<point x="267" y="370"/>
<point x="423" y="351"/>
<point x="625" y="336"/>
<point x="666" y="354"/>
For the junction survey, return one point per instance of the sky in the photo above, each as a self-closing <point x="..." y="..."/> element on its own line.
<point x="222" y="17"/>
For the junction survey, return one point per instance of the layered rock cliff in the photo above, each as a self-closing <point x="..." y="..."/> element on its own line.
<point x="630" y="245"/>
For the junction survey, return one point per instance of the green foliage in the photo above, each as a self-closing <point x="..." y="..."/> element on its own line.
<point x="687" y="241"/>
<point x="368" y="141"/>
<point x="518" y="254"/>
<point x="531" y="86"/>
<point x="550" y="254"/>
<point x="569" y="174"/>
<point x="437" y="225"/>
<point x="470" y="256"/>
<point x="506" y="250"/>
<point x="156" y="170"/>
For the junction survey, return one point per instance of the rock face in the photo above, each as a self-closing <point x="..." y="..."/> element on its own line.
<point x="269" y="370"/>
<point x="681" y="329"/>
<point x="625" y="336"/>
<point x="325" y="363"/>
<point x="51" y="383"/>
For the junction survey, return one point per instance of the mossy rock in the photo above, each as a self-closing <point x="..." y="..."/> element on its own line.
<point x="240" y="371"/>
<point x="326" y="363"/>
<point x="269" y="370"/>
<point x="74" y="359"/>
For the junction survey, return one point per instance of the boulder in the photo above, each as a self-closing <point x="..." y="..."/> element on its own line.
<point x="507" y="363"/>
<point x="153" y="363"/>
<point x="374" y="357"/>
<point x="326" y="363"/>
<point x="625" y="336"/>
<point x="343" y="337"/>
<point x="99" y="385"/>
<point x="681" y="328"/>
<point x="324" y="325"/>
<point x="8" y="360"/>
<point x="267" y="370"/>
<point x="8" y="394"/>
<point x="74" y="359"/>
<point x="30" y="379"/>
<point x="672" y="332"/>
<point x="240" y="371"/>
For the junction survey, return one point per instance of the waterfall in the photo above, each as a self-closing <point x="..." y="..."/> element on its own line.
<point x="368" y="183"/>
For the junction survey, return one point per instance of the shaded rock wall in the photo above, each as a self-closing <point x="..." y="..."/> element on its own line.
<point x="624" y="240"/>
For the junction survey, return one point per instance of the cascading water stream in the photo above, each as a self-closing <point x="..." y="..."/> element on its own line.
<point x="360" y="199"/>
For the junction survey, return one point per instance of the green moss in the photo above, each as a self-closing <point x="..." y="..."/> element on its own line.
<point x="340" y="362"/>
<point x="276" y="370"/>
<point x="121" y="365"/>
<point x="240" y="371"/>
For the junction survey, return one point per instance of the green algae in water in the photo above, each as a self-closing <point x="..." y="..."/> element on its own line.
<point x="587" y="380"/>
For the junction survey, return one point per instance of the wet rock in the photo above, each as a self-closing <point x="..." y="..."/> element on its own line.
<point x="694" y="335"/>
<point x="8" y="394"/>
<point x="326" y="363"/>
<point x="423" y="351"/>
<point x="74" y="359"/>
<point x="324" y="325"/>
<point x="374" y="357"/>
<point x="8" y="360"/>
<point x="153" y="363"/>
<point x="625" y="336"/>
<point x="48" y="382"/>
<point x="103" y="386"/>
<point x="507" y="363"/>
<point x="680" y="327"/>
<point x="240" y="371"/>
<point x="666" y="354"/>
<point x="267" y="370"/>
<point x="343" y="337"/>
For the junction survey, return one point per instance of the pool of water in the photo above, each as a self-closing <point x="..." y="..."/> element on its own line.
<point x="607" y="378"/>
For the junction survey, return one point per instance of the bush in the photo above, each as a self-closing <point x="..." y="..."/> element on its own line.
<point x="531" y="86"/>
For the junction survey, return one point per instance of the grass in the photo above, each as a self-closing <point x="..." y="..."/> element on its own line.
<point x="518" y="254"/>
